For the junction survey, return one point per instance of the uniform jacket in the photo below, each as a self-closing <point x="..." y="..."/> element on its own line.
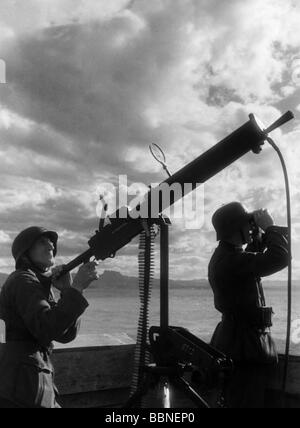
<point x="33" y="320"/>
<point x="235" y="278"/>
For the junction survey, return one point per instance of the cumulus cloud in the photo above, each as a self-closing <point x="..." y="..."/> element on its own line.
<point x="4" y="237"/>
<point x="20" y="17"/>
<point x="91" y="84"/>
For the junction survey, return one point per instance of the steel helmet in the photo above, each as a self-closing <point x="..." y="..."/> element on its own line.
<point x="229" y="219"/>
<point x="24" y="241"/>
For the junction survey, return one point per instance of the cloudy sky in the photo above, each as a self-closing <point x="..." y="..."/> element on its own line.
<point x="90" y="84"/>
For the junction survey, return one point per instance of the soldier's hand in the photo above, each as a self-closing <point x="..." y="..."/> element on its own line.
<point x="62" y="283"/>
<point x="85" y="276"/>
<point x="263" y="219"/>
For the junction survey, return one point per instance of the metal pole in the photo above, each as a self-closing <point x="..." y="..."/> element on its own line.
<point x="164" y="276"/>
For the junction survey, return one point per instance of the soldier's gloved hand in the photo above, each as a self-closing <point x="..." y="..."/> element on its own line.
<point x="263" y="219"/>
<point x="62" y="283"/>
<point x="85" y="276"/>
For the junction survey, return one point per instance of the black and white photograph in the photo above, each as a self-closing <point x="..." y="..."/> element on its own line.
<point x="149" y="207"/>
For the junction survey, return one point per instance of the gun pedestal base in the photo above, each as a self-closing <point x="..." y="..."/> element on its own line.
<point x="164" y="380"/>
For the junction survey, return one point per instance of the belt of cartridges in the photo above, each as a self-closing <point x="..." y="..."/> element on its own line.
<point x="146" y="274"/>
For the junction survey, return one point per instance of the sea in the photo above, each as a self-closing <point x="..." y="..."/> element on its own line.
<point x="190" y="307"/>
<point x="115" y="311"/>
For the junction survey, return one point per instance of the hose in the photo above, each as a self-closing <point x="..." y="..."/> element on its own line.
<point x="290" y="296"/>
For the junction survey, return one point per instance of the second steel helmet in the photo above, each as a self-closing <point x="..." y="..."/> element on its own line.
<point x="229" y="219"/>
<point x="24" y="241"/>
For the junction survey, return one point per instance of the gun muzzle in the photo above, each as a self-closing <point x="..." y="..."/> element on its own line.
<point x="281" y="121"/>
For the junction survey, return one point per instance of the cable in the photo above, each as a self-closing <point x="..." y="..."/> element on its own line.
<point x="289" y="308"/>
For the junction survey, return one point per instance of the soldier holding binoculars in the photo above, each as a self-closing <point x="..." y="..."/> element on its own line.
<point x="235" y="277"/>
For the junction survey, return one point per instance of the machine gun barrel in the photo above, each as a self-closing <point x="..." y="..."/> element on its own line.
<point x="107" y="241"/>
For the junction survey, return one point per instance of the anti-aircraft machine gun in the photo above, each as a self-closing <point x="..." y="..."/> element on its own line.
<point x="174" y="349"/>
<point x="124" y="228"/>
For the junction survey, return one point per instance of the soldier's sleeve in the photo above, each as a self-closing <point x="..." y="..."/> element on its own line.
<point x="272" y="260"/>
<point x="71" y="333"/>
<point x="44" y="322"/>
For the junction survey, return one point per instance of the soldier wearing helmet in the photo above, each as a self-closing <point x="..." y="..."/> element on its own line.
<point x="33" y="319"/>
<point x="235" y="277"/>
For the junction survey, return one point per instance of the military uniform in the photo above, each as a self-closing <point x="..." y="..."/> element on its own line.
<point x="33" y="320"/>
<point x="244" y="335"/>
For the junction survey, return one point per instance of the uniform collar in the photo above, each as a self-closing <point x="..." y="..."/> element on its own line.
<point x="28" y="265"/>
<point x="45" y="278"/>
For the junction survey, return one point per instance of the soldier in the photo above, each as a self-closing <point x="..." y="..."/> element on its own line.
<point x="33" y="319"/>
<point x="235" y="277"/>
